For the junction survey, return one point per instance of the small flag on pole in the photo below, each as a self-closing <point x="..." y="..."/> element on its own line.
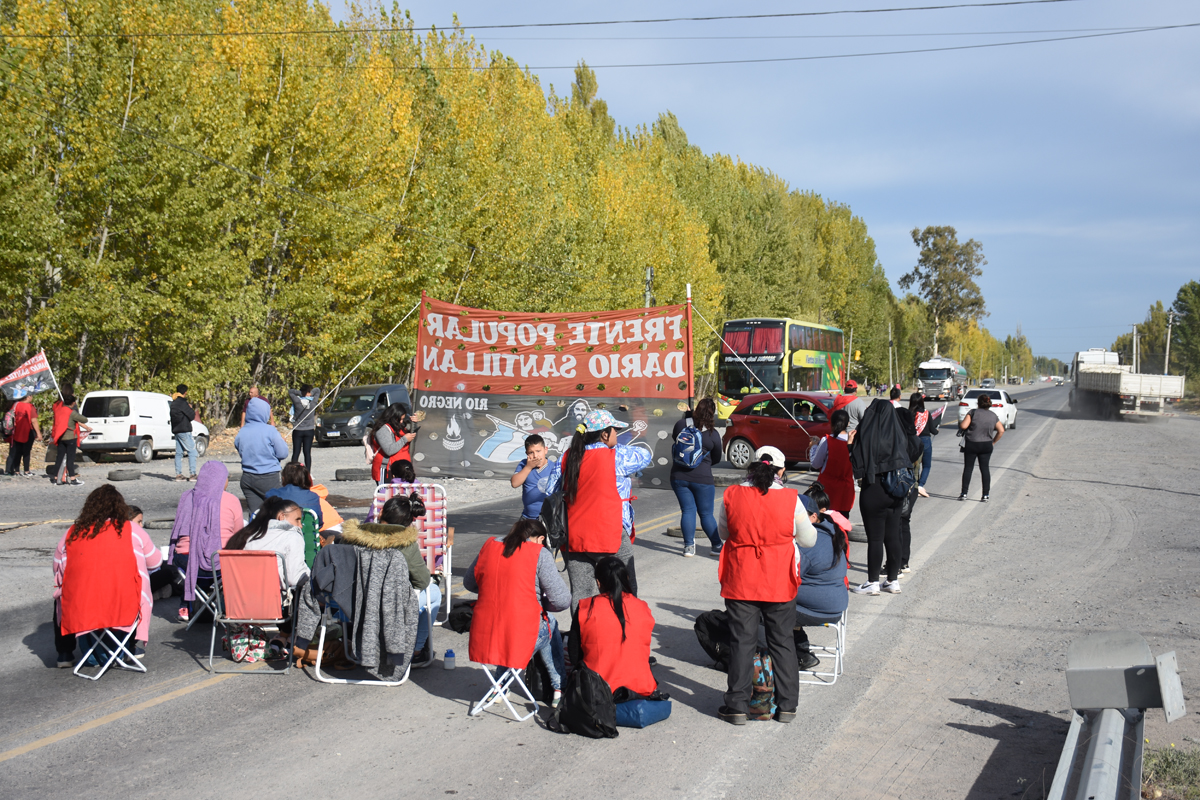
<point x="30" y="378"/>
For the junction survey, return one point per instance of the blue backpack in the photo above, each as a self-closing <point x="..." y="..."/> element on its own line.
<point x="688" y="450"/>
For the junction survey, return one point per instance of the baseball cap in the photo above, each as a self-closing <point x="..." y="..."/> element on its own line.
<point x="600" y="419"/>
<point x="810" y="505"/>
<point x="851" y="384"/>
<point x="770" y="455"/>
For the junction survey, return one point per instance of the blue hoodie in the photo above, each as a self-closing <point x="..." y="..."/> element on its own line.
<point x="259" y="444"/>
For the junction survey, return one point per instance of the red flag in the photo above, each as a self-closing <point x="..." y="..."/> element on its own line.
<point x="31" y="377"/>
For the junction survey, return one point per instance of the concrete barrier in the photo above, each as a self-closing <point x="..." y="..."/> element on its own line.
<point x="357" y="474"/>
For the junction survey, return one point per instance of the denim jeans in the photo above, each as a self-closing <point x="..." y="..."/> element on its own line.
<point x="430" y="598"/>
<point x="184" y="441"/>
<point x="695" y="497"/>
<point x="926" y="458"/>
<point x="550" y="648"/>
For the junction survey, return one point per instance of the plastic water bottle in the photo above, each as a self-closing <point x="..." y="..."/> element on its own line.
<point x="448" y="661"/>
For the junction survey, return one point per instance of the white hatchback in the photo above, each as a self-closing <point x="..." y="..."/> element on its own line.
<point x="1002" y="404"/>
<point x="137" y="422"/>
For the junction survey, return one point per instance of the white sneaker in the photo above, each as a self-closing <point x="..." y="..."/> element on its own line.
<point x="921" y="491"/>
<point x="905" y="570"/>
<point x="870" y="587"/>
<point x="892" y="587"/>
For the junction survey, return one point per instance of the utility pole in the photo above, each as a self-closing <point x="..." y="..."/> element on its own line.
<point x="890" y="381"/>
<point x="1135" y="349"/>
<point x="1167" y="357"/>
<point x="849" y="355"/>
<point x="649" y="285"/>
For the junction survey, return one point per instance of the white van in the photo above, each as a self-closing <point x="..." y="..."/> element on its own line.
<point x="137" y="422"/>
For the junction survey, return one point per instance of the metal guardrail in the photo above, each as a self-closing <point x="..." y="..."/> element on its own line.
<point x="1112" y="679"/>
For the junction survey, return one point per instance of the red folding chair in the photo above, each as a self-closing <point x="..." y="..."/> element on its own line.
<point x="247" y="591"/>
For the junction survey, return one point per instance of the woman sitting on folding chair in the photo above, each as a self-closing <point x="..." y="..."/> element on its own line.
<point x="611" y="632"/>
<point x="98" y="581"/>
<point x="205" y="519"/>
<point x="507" y="612"/>
<point x="823" y="594"/>
<point x="276" y="527"/>
<point x="395" y="530"/>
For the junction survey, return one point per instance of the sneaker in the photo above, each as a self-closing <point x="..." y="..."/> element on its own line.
<point x="962" y="497"/>
<point x="556" y="699"/>
<point x="66" y="660"/>
<point x="983" y="499"/>
<point x="689" y="550"/>
<point x="732" y="717"/>
<point x="905" y="569"/>
<point x="184" y="614"/>
<point x="807" y="660"/>
<point x="76" y="482"/>
<point x="180" y="478"/>
<point x="424" y="657"/>
<point x="921" y="491"/>
<point x="139" y="652"/>
<point x="892" y="587"/>
<point x="715" y="552"/>
<point x="27" y="475"/>
<point x="870" y="587"/>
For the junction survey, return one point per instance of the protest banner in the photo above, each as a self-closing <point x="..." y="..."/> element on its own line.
<point x="31" y="377"/>
<point x="485" y="380"/>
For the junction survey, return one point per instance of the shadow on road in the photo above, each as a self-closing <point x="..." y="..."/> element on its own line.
<point x="1027" y="747"/>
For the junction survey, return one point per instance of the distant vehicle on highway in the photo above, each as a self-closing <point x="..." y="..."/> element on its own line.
<point x="987" y="383"/>
<point x="1003" y="405"/>
<point x="761" y="419"/>
<point x="133" y="422"/>
<point x="1108" y="388"/>
<point x="942" y="378"/>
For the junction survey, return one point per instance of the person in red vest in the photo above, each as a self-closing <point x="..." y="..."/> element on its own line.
<point x="595" y="481"/>
<point x="518" y="584"/>
<point x="762" y="522"/>
<point x="832" y="458"/>
<point x="25" y="433"/>
<point x="68" y="425"/>
<point x="389" y="441"/>
<point x="610" y="632"/>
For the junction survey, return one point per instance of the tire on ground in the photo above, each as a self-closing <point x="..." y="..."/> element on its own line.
<point x="124" y="474"/>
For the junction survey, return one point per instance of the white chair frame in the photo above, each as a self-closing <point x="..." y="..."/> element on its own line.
<point x="219" y="620"/>
<point x="204" y="599"/>
<point x="501" y="685"/>
<point x="444" y="574"/>
<point x="838" y="651"/>
<point x="119" y="646"/>
<point x="323" y="678"/>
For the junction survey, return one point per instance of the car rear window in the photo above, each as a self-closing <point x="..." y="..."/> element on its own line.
<point x="111" y="406"/>
<point x="995" y="395"/>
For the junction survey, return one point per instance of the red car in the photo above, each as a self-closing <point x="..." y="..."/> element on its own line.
<point x="762" y="419"/>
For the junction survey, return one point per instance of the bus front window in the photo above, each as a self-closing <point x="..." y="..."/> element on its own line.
<point x="735" y="380"/>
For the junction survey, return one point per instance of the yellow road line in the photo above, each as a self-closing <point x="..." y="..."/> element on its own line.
<point x="113" y="717"/>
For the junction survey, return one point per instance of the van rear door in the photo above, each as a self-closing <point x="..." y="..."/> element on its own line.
<point x="154" y="413"/>
<point x="108" y="417"/>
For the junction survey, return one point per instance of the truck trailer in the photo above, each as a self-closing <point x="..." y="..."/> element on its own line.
<point x="1102" y="386"/>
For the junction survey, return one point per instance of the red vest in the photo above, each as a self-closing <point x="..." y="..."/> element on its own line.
<point x="594" y="519"/>
<point x="620" y="663"/>
<point x="760" y="560"/>
<point x="62" y="413"/>
<point x="838" y="476"/>
<point x="504" y="626"/>
<point x="843" y="400"/>
<point x="101" y="585"/>
<point x="377" y="462"/>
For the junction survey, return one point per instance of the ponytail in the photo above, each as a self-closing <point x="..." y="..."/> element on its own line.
<point x="761" y="475"/>
<point x="522" y="532"/>
<point x="817" y="492"/>
<point x="613" y="578"/>
<point x="574" y="458"/>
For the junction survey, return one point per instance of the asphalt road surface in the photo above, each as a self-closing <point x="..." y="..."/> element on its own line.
<point x="953" y="688"/>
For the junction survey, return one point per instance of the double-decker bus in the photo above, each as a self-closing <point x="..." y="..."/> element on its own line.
<point x="783" y="355"/>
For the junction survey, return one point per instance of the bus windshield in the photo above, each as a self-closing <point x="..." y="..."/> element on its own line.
<point x="736" y="381"/>
<point x="939" y="374"/>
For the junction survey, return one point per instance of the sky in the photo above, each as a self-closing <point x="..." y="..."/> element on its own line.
<point x="1076" y="164"/>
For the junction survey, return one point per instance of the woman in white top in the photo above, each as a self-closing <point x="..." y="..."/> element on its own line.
<point x="276" y="527"/>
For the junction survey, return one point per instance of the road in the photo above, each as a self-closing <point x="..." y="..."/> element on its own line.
<point x="953" y="688"/>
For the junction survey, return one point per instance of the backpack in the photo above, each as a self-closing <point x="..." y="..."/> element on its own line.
<point x="898" y="482"/>
<point x="762" y="691"/>
<point x="712" y="631"/>
<point x="537" y="680"/>
<point x="553" y="517"/>
<point x="688" y="450"/>
<point x="9" y="426"/>
<point x="587" y="706"/>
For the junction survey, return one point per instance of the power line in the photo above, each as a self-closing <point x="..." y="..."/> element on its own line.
<point x="510" y="26"/>
<point x="795" y="36"/>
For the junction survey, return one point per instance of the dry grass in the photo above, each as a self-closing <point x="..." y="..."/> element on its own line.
<point x="1171" y="773"/>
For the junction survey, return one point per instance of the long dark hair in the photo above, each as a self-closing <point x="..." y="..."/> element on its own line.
<point x="393" y="415"/>
<point x="916" y="403"/>
<point x="402" y="510"/>
<point x="574" y="457"/>
<point x="703" y="415"/>
<point x="761" y="475"/>
<point x="402" y="470"/>
<point x="819" y="496"/>
<point x="522" y="532"/>
<point x="839" y="421"/>
<point x="104" y="504"/>
<point x="270" y="510"/>
<point x="614" y="583"/>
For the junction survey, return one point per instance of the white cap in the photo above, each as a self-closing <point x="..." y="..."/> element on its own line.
<point x="771" y="455"/>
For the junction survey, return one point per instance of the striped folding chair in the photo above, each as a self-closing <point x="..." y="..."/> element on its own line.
<point x="434" y="535"/>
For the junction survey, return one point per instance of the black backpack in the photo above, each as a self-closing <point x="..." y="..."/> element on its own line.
<point x="537" y="680"/>
<point x="587" y="707"/>
<point x="553" y="517"/>
<point x="712" y="631"/>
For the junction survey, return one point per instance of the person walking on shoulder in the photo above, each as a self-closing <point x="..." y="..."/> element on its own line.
<point x="763" y="523"/>
<point x="927" y="427"/>
<point x="25" y="433"/>
<point x="305" y="428"/>
<point x="182" y="415"/>
<point x="261" y="449"/>
<point x="983" y="430"/>
<point x="696" y="487"/>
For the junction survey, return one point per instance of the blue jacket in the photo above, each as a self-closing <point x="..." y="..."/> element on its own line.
<point x="259" y="444"/>
<point x="822" y="590"/>
<point x="301" y="497"/>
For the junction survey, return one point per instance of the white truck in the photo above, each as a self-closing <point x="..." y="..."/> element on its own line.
<point x="941" y="378"/>
<point x="1101" y="385"/>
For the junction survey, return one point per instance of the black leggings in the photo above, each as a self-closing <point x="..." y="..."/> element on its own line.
<point x="983" y="452"/>
<point x="64" y="461"/>
<point x="881" y="518"/>
<point x="18" y="452"/>
<point x="302" y="442"/>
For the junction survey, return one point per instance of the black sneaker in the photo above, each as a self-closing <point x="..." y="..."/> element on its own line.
<point x="732" y="717"/>
<point x="962" y="497"/>
<point x="807" y="660"/>
<point x="984" y="499"/>
<point x="66" y="660"/>
<point x="424" y="657"/>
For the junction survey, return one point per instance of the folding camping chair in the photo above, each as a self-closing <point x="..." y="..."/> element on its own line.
<point x="117" y="651"/>
<point x="838" y="651"/>
<point x="246" y="591"/>
<point x="434" y="536"/>
<point x="499" y="690"/>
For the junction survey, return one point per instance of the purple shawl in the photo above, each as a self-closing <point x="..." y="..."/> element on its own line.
<point x="199" y="518"/>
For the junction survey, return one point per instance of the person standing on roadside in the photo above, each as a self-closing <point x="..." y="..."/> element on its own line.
<point x="849" y="393"/>
<point x="261" y="449"/>
<point x="533" y="476"/>
<point x="25" y="433"/>
<point x="832" y="459"/>
<point x="983" y="429"/>
<point x="256" y="394"/>
<point x="305" y="428"/>
<point x="880" y="447"/>
<point x="68" y="425"/>
<point x="695" y="488"/>
<point x="389" y="440"/>
<point x="182" y="415"/>
<point x="764" y="524"/>
<point x="927" y="427"/>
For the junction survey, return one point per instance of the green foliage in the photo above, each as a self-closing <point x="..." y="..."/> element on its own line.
<point x="945" y="277"/>
<point x="1185" y="334"/>
<point x="1173" y="771"/>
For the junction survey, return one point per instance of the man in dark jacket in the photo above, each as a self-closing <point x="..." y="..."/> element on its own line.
<point x="304" y="427"/>
<point x="182" y="415"/>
